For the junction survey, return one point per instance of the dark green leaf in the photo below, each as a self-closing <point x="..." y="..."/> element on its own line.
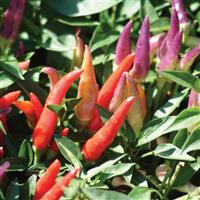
<point x="55" y="108"/>
<point x="193" y="142"/>
<point x="71" y="102"/>
<point x="2" y="128"/>
<point x="180" y="138"/>
<point x="26" y="152"/>
<point x="27" y="190"/>
<point x="186" y="172"/>
<point x="171" y="152"/>
<point x="77" y="8"/>
<point x="97" y="194"/>
<point x="13" y="191"/>
<point x="12" y="68"/>
<point x="70" y="151"/>
<point x="104" y="113"/>
<point x="182" y="78"/>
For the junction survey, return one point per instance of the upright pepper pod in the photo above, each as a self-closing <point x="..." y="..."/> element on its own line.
<point x="3" y="168"/>
<point x="171" y="58"/>
<point x="184" y="21"/>
<point x="137" y="111"/>
<point x="5" y="103"/>
<point x="57" y="190"/>
<point x="87" y="91"/>
<point x="46" y="182"/>
<point x="27" y="108"/>
<point x="53" y="75"/>
<point x="95" y="146"/>
<point x="141" y="64"/>
<point x="12" y="19"/>
<point x="188" y="58"/>
<point x="46" y="124"/>
<point x="78" y="51"/>
<point x="123" y="47"/>
<point x="194" y="99"/>
<point x="107" y="91"/>
<point x="119" y="94"/>
<point x="173" y="30"/>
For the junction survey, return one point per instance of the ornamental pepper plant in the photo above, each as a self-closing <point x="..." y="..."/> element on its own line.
<point x="99" y="100"/>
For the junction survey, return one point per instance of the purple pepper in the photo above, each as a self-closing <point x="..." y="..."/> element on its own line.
<point x="173" y="30"/>
<point x="12" y="19"/>
<point x="182" y="14"/>
<point x="123" y="47"/>
<point x="141" y="64"/>
<point x="171" y="58"/>
<point x="194" y="99"/>
<point x="3" y="168"/>
<point x="189" y="57"/>
<point x="155" y="42"/>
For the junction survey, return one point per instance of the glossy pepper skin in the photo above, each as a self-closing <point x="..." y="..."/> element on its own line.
<point x="57" y="190"/>
<point x="46" y="182"/>
<point x="107" y="91"/>
<point x="123" y="47"/>
<point x="95" y="146"/>
<point x="5" y="103"/>
<point x="87" y="90"/>
<point x="46" y="124"/>
<point x="141" y="64"/>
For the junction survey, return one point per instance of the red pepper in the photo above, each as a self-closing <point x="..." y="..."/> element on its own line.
<point x="27" y="108"/>
<point x="1" y="153"/>
<point x="57" y="190"/>
<point x="47" y="122"/>
<point x="37" y="106"/>
<point x="5" y="103"/>
<point x="24" y="65"/>
<point x="87" y="90"/>
<point x="107" y="91"/>
<point x="46" y="182"/>
<point x="53" y="145"/>
<point x="95" y="146"/>
<point x="8" y="99"/>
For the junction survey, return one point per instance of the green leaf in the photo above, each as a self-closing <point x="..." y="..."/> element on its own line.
<point x="7" y="80"/>
<point x="2" y="128"/>
<point x="12" y="192"/>
<point x="128" y="9"/>
<point x="99" y="194"/>
<point x="180" y="138"/>
<point x="78" y="22"/>
<point x="150" y="11"/>
<point x="115" y="170"/>
<point x="104" y="114"/>
<point x="140" y="193"/>
<point x="16" y="164"/>
<point x="154" y="129"/>
<point x="101" y="38"/>
<point x="26" y="153"/>
<point x="11" y="67"/>
<point x="171" y="152"/>
<point x="77" y="8"/>
<point x="55" y="108"/>
<point x="193" y="142"/>
<point x="27" y="190"/>
<point x="186" y="119"/>
<point x="186" y="173"/>
<point x="182" y="78"/>
<point x="160" y="25"/>
<point x="171" y="105"/>
<point x="160" y="126"/>
<point x="71" y="102"/>
<point x="96" y="170"/>
<point x="70" y="151"/>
